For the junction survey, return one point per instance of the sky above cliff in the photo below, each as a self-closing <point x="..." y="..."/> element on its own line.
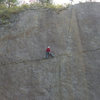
<point x="68" y="1"/>
<point x="60" y="1"/>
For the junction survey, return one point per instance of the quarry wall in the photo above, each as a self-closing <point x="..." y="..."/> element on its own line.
<point x="74" y="37"/>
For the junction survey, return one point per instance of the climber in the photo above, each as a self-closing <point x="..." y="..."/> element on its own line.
<point x="48" y="52"/>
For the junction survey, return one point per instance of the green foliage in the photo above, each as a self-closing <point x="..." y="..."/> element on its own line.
<point x="53" y="6"/>
<point x="5" y="12"/>
<point x="3" y="7"/>
<point x="11" y="2"/>
<point x="36" y="5"/>
<point x="48" y="5"/>
<point x="2" y="1"/>
<point x="25" y="6"/>
<point x="45" y="1"/>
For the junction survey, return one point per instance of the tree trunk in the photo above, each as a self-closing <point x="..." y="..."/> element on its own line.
<point x="9" y="4"/>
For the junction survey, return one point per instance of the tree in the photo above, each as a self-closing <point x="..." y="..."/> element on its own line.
<point x="49" y="1"/>
<point x="71" y="1"/>
<point x="45" y="1"/>
<point x="11" y="2"/>
<point x="2" y="1"/>
<point x="8" y="2"/>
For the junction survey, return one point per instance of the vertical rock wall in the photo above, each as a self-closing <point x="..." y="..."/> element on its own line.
<point x="73" y="74"/>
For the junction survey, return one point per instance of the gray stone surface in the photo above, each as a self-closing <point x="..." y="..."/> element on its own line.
<point x="73" y="74"/>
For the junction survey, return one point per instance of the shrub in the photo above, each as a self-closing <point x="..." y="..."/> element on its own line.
<point x="5" y="12"/>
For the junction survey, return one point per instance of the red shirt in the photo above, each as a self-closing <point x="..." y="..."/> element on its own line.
<point x="48" y="50"/>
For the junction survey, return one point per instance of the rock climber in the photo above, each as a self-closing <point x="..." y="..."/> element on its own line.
<point x="48" y="52"/>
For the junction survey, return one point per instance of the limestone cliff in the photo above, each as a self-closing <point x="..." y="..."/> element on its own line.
<point x="74" y="37"/>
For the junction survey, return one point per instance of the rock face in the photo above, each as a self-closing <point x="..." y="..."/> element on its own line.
<point x="74" y="37"/>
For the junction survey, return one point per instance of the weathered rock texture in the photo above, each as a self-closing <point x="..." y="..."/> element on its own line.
<point x="73" y="74"/>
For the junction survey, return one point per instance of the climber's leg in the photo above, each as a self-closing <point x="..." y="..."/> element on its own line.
<point x="47" y="54"/>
